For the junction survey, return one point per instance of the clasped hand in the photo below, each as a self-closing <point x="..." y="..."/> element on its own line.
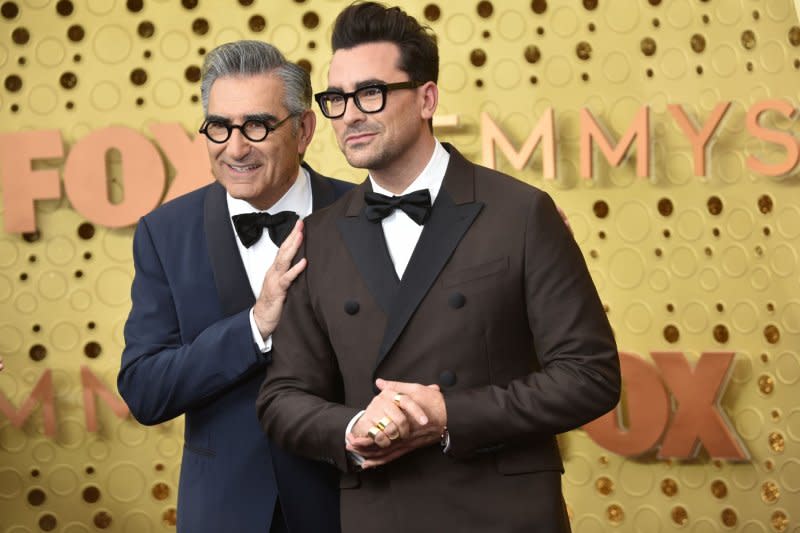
<point x="402" y="418"/>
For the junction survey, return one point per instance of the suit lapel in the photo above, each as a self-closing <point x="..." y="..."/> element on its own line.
<point x="322" y="193"/>
<point x="453" y="213"/>
<point x="230" y="277"/>
<point x="367" y="247"/>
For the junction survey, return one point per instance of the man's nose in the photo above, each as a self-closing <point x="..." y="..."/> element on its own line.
<point x="352" y="113"/>
<point x="238" y="146"/>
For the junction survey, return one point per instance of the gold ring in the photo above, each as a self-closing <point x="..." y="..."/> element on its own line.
<point x="373" y="432"/>
<point x="383" y="423"/>
<point x="395" y="435"/>
<point x="397" y="398"/>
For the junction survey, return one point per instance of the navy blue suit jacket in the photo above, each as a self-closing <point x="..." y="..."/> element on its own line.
<point x="189" y="351"/>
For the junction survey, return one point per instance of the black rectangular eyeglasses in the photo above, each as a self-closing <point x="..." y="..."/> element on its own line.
<point x="369" y="98"/>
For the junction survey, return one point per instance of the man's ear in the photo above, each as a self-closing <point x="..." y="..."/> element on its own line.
<point x="430" y="99"/>
<point x="305" y="131"/>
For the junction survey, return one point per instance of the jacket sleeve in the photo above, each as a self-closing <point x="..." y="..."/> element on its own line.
<point x="163" y="374"/>
<point x="300" y="402"/>
<point x="578" y="376"/>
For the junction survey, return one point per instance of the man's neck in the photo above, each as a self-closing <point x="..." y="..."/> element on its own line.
<point x="407" y="168"/>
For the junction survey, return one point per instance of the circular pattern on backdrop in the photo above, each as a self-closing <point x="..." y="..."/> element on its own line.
<point x="8" y="253"/>
<point x="131" y="434"/>
<point x="76" y="527"/>
<point x="793" y="425"/>
<point x="734" y="260"/>
<point x="674" y="63"/>
<point x="691" y="224"/>
<point x="759" y="278"/>
<point x="680" y="168"/>
<point x="779" y="11"/>
<point x="789" y="475"/>
<point x="104" y="96"/>
<point x="578" y="470"/>
<point x="12" y="339"/>
<point x="790" y="316"/>
<point x="11" y="439"/>
<point x="174" y="45"/>
<point x="42" y="99"/>
<point x="116" y="245"/>
<point x="511" y="25"/>
<point x="80" y="300"/>
<point x="633" y="221"/>
<point x="647" y="518"/>
<point x="63" y="480"/>
<point x="453" y="77"/>
<point x="60" y="250"/>
<point x="740" y="223"/>
<point x="100" y="7"/>
<point x="10" y="484"/>
<point x="749" y="423"/>
<point x="168" y="447"/>
<point x="773" y="57"/>
<point x="113" y="286"/>
<point x="65" y="336"/>
<point x="744" y="476"/>
<point x="695" y="317"/>
<point x="459" y="28"/>
<point x="622" y="17"/>
<point x="783" y="260"/>
<point x="729" y="165"/>
<point x="98" y="451"/>
<point x="137" y="522"/>
<point x="753" y="527"/>
<point x="709" y="279"/>
<point x="637" y="317"/>
<point x="52" y="285"/>
<point x="506" y="74"/>
<point x="789" y="222"/>
<point x="626" y="268"/>
<point x="50" y="52"/>
<point x="589" y="524"/>
<point x="683" y="261"/>
<point x="564" y="21"/>
<point x="787" y="368"/>
<point x="558" y="71"/>
<point x="71" y="433"/>
<point x="286" y="38"/>
<point x="126" y="483"/>
<point x="112" y="44"/>
<point x="658" y="280"/>
<point x="744" y="316"/>
<point x="704" y="525"/>
<point x="167" y="93"/>
<point x="43" y="452"/>
<point x="26" y="303"/>
<point x="616" y="67"/>
<point x="636" y="479"/>
<point x="680" y="14"/>
<point x="728" y="12"/>
<point x="725" y="60"/>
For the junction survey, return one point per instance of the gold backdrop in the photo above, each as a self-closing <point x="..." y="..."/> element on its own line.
<point x="684" y="263"/>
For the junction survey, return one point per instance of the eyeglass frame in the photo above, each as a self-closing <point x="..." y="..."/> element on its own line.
<point x="230" y="127"/>
<point x="384" y="88"/>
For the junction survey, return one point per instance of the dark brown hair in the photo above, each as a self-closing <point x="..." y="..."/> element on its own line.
<point x="369" y="22"/>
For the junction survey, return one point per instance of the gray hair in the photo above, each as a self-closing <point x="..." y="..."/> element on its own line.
<point x="250" y="58"/>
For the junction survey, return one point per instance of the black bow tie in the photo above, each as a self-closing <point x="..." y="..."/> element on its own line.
<point x="250" y="226"/>
<point x="417" y="205"/>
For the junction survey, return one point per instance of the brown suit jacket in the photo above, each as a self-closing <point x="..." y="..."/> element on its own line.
<point x="496" y="306"/>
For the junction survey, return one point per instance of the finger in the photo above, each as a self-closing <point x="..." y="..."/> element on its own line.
<point x="398" y="419"/>
<point x="290" y="275"/>
<point x="412" y="408"/>
<point x="289" y="248"/>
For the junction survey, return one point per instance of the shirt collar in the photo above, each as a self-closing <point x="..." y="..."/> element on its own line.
<point x="430" y="178"/>
<point x="297" y="199"/>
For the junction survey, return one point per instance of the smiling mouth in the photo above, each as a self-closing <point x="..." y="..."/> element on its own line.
<point x="358" y="138"/>
<point x="242" y="169"/>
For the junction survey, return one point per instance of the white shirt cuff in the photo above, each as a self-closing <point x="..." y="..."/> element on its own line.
<point x="264" y="345"/>
<point x="357" y="458"/>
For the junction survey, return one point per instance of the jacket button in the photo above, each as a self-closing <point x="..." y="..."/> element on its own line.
<point x="351" y="307"/>
<point x="447" y="378"/>
<point x="457" y="300"/>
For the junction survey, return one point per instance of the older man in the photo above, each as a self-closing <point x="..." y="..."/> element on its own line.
<point x="206" y="300"/>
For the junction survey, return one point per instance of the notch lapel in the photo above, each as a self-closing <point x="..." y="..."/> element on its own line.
<point x="322" y="193"/>
<point x="230" y="277"/>
<point x="453" y="213"/>
<point x="367" y="247"/>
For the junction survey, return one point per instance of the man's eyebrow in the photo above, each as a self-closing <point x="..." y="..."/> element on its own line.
<point x="364" y="83"/>
<point x="261" y="117"/>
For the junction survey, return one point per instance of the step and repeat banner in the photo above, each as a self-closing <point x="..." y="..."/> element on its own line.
<point x="666" y="131"/>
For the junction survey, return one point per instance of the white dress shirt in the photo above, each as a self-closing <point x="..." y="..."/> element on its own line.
<point x="400" y="232"/>
<point x="259" y="257"/>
